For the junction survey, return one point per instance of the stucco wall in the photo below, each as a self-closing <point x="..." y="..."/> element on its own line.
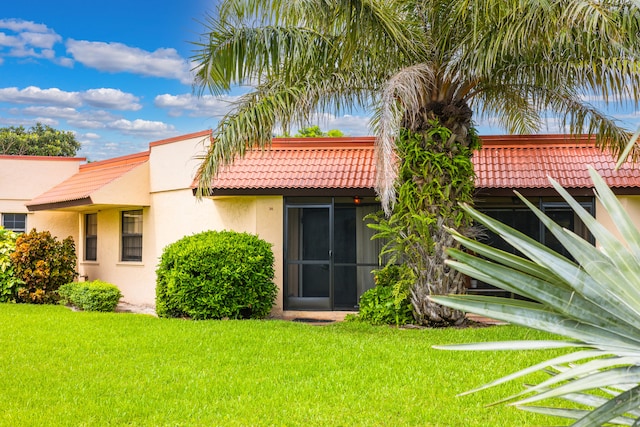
<point x="632" y="206"/>
<point x="174" y="164"/>
<point x="59" y="224"/>
<point x="135" y="279"/>
<point x="25" y="177"/>
<point x="260" y="215"/>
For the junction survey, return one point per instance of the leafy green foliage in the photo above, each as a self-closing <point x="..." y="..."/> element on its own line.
<point x="316" y="132"/>
<point x="216" y="275"/>
<point x="90" y="296"/>
<point x="39" y="140"/>
<point x="435" y="174"/>
<point x="388" y="302"/>
<point x="43" y="263"/>
<point x="593" y="301"/>
<point x="8" y="280"/>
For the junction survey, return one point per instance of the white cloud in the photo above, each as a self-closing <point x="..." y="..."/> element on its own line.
<point x="28" y="39"/>
<point x="10" y="41"/>
<point x="348" y="124"/>
<point x="117" y="57"/>
<point x="35" y="95"/>
<point x="83" y="123"/>
<point x="141" y="127"/>
<point x="194" y="106"/>
<point x="91" y="135"/>
<point x="64" y="62"/>
<point x="113" y="99"/>
<point x="40" y="40"/>
<point x="18" y="25"/>
<point x="46" y="121"/>
<point x="57" y="112"/>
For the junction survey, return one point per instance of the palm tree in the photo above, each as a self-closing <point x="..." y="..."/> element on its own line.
<point x="418" y="65"/>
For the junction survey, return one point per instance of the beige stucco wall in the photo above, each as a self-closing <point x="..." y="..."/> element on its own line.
<point x="59" y="224"/>
<point x="174" y="165"/>
<point x="135" y="279"/>
<point x="631" y="205"/>
<point x="262" y="216"/>
<point x="25" y="177"/>
<point x="132" y="189"/>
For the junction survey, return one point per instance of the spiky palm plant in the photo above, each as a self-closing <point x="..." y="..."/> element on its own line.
<point x="593" y="301"/>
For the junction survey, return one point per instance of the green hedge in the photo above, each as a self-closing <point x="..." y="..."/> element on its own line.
<point x="216" y="275"/>
<point x="90" y="296"/>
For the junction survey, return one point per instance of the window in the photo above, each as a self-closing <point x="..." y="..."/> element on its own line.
<point x="132" y="235"/>
<point x="516" y="215"/>
<point x="91" y="237"/>
<point x="15" y="222"/>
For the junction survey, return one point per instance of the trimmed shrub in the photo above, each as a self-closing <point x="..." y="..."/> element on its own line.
<point x="90" y="296"/>
<point x="216" y="275"/>
<point x="43" y="264"/>
<point x="388" y="303"/>
<point x="8" y="281"/>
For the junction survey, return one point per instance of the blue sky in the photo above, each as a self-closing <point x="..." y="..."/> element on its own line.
<point x="117" y="73"/>
<point x="114" y="72"/>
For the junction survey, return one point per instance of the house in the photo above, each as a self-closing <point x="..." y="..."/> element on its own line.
<point x="307" y="197"/>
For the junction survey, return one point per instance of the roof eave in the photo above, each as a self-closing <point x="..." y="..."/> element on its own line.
<point x="59" y="205"/>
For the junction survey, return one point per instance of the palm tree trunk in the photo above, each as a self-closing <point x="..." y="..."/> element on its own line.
<point x="436" y="174"/>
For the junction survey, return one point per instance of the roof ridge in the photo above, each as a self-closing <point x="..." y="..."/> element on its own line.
<point x="130" y="159"/>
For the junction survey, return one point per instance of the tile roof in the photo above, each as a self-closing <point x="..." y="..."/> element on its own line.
<point x="526" y="161"/>
<point x="505" y="162"/>
<point x="90" y="178"/>
<point x="309" y="163"/>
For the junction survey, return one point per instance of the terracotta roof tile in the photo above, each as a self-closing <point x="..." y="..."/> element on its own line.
<point x="506" y="162"/>
<point x="312" y="163"/>
<point x="528" y="161"/>
<point x="91" y="177"/>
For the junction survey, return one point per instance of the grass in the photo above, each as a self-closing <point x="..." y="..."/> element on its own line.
<point x="66" y="368"/>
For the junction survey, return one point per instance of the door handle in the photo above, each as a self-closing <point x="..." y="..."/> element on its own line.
<point x="330" y="253"/>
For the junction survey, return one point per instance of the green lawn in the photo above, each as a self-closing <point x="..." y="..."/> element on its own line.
<point x="64" y="368"/>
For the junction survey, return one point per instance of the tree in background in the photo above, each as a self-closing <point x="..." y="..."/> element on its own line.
<point x="39" y="140"/>
<point x="421" y="66"/>
<point x="315" y="132"/>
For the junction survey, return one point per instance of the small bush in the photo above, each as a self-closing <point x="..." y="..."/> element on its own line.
<point x="388" y="302"/>
<point x="90" y="296"/>
<point x="42" y="264"/>
<point x="216" y="275"/>
<point x="8" y="281"/>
